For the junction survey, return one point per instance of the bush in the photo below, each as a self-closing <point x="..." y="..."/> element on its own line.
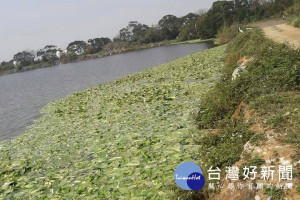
<point x="69" y="57"/>
<point x="4" y="66"/>
<point x="257" y="161"/>
<point x="297" y="22"/>
<point x="293" y="10"/>
<point x="224" y="148"/>
<point x="226" y="34"/>
<point x="274" y="192"/>
<point x="275" y="68"/>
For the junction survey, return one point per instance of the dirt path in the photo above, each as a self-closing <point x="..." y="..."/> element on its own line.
<point x="280" y="31"/>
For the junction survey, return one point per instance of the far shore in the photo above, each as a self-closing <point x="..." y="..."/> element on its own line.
<point x="105" y="53"/>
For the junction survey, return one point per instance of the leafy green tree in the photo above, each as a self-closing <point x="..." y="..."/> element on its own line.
<point x="134" y="32"/>
<point x="6" y="66"/>
<point x="77" y="47"/>
<point x="125" y="34"/>
<point x="220" y="15"/>
<point x="25" y="58"/>
<point x="242" y="10"/>
<point x="97" y="44"/>
<point x="48" y="53"/>
<point x="154" y="34"/>
<point x="170" y="26"/>
<point x="188" y="32"/>
<point x="188" y="18"/>
<point x="225" y="13"/>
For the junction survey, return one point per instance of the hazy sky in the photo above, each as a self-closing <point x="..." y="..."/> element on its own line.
<point x="32" y="24"/>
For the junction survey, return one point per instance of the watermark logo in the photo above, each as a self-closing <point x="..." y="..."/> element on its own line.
<point x="189" y="176"/>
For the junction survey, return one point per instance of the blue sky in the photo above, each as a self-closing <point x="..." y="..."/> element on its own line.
<point x="32" y="24"/>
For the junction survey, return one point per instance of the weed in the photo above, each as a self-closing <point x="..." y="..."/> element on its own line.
<point x="258" y="139"/>
<point x="257" y="161"/>
<point x="224" y="148"/>
<point x="274" y="192"/>
<point x="227" y="33"/>
<point x="297" y="22"/>
<point x="298" y="187"/>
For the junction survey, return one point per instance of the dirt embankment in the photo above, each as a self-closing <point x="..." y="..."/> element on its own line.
<point x="271" y="149"/>
<point x="280" y="31"/>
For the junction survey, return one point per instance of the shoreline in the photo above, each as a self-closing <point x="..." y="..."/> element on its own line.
<point x="105" y="54"/>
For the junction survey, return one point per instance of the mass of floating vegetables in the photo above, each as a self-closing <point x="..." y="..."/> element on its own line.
<point x="122" y="139"/>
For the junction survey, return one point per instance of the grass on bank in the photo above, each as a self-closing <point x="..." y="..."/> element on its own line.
<point x="275" y="69"/>
<point x="192" y="41"/>
<point x="270" y="86"/>
<point x="120" y="140"/>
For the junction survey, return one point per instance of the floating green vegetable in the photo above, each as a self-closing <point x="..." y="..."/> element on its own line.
<point x="122" y="139"/>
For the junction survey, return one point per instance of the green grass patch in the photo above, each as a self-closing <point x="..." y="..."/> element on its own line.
<point x="223" y="148"/>
<point x="274" y="192"/>
<point x="257" y="161"/>
<point x="298" y="187"/>
<point x="193" y="41"/>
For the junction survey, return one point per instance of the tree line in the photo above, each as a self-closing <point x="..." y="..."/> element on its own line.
<point x="204" y="24"/>
<point x="201" y="25"/>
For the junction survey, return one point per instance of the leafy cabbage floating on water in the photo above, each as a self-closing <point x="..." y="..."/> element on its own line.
<point x="121" y="139"/>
